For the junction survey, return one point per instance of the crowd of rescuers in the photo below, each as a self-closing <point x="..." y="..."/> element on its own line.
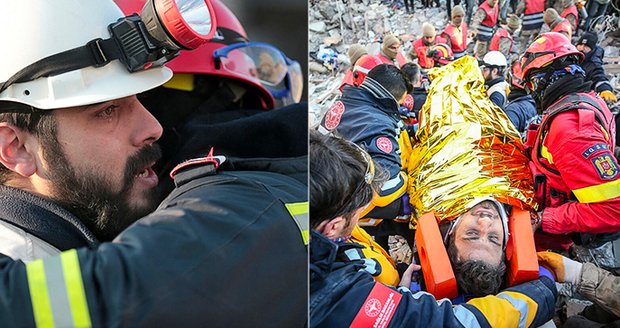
<point x="80" y="246"/>
<point x="556" y="95"/>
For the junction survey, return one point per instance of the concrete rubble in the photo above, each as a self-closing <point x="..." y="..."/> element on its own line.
<point x="334" y="25"/>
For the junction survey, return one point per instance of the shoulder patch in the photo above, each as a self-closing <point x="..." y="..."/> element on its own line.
<point x="606" y="166"/>
<point x="378" y="308"/>
<point x="384" y="144"/>
<point x="593" y="149"/>
<point x="332" y="118"/>
<point x="408" y="102"/>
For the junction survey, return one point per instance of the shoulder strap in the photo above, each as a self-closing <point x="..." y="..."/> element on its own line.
<point x="570" y="102"/>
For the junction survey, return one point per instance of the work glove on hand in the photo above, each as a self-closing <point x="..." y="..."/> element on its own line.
<point x="563" y="268"/>
<point x="608" y="96"/>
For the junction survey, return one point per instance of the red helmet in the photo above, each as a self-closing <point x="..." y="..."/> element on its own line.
<point x="362" y="67"/>
<point x="547" y="48"/>
<point x="441" y="53"/>
<point x="202" y="60"/>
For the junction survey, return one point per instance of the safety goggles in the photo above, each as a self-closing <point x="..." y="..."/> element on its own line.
<point x="266" y="64"/>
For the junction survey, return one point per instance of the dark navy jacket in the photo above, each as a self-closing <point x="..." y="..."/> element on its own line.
<point x="593" y="66"/>
<point x="520" y="109"/>
<point x="341" y="291"/>
<point x="368" y="116"/>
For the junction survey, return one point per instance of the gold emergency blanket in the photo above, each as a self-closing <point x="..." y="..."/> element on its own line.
<point x="466" y="148"/>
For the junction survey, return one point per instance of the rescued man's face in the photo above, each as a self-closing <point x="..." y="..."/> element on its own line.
<point x="100" y="165"/>
<point x="479" y="234"/>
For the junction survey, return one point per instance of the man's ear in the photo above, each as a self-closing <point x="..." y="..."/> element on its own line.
<point x="332" y="228"/>
<point x="14" y="153"/>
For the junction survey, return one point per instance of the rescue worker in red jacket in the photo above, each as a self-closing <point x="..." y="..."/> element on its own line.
<point x="577" y="178"/>
<point x="456" y="33"/>
<point x="422" y="45"/>
<point x="557" y="23"/>
<point x="356" y="52"/>
<point x="569" y="12"/>
<point x="502" y="39"/>
<point x="390" y="51"/>
<point x="532" y="11"/>
<point x="483" y="26"/>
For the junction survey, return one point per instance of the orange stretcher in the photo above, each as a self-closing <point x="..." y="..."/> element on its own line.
<point x="438" y="275"/>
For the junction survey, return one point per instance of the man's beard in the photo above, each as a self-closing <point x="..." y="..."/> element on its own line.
<point x="92" y="197"/>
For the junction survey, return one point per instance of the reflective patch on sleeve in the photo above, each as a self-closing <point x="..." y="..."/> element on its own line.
<point x="57" y="291"/>
<point x="489" y="308"/>
<point x="598" y="193"/>
<point x="299" y="212"/>
<point x="525" y="305"/>
<point x="378" y="308"/>
<point x="465" y="317"/>
<point x="605" y="166"/>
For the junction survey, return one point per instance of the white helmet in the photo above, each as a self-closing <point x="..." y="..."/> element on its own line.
<point x="31" y="30"/>
<point x="494" y="58"/>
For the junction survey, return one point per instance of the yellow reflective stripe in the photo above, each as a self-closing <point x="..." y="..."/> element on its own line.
<point x="490" y="306"/>
<point x="383" y="201"/>
<point x="75" y="288"/>
<point x="605" y="133"/>
<point x="57" y="292"/>
<point x="532" y="306"/>
<point x="38" y="294"/>
<point x="545" y="153"/>
<point x="598" y="193"/>
<point x="300" y="211"/>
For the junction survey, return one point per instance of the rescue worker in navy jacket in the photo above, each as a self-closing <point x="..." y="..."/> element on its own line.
<point x="369" y="116"/>
<point x="218" y="235"/>
<point x="593" y="66"/>
<point x="342" y="180"/>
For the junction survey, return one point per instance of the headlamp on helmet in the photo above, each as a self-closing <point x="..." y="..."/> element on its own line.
<point x="138" y="41"/>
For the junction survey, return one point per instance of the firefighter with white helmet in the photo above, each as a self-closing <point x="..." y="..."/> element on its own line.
<point x="493" y="65"/>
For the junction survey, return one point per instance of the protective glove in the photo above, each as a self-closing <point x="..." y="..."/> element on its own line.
<point x="608" y="96"/>
<point x="563" y="268"/>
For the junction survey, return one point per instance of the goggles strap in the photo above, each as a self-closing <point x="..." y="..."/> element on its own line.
<point x="97" y="53"/>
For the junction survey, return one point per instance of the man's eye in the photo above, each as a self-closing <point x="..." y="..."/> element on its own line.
<point x="494" y="239"/>
<point x="108" y="111"/>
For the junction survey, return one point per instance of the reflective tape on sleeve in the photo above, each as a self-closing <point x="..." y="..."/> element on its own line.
<point x="598" y="193"/>
<point x="299" y="212"/>
<point x="57" y="292"/>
